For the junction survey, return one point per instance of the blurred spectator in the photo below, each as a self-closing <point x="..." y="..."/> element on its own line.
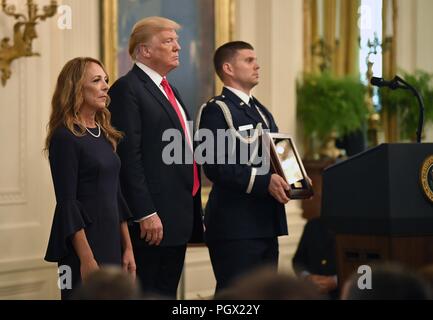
<point x="315" y="259"/>
<point x="388" y="282"/>
<point x="427" y="274"/>
<point x="353" y="143"/>
<point x="108" y="283"/>
<point x="265" y="284"/>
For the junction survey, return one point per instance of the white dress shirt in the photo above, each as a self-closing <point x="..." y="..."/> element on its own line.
<point x="242" y="95"/>
<point x="157" y="78"/>
<point x="246" y="99"/>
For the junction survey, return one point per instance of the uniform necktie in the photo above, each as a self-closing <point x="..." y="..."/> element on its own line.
<point x="256" y="112"/>
<point x="251" y="103"/>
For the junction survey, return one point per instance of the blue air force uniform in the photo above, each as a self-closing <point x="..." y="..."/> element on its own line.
<point x="242" y="219"/>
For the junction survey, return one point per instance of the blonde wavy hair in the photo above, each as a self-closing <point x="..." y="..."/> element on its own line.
<point x="68" y="99"/>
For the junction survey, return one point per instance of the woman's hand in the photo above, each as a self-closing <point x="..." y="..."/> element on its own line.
<point x="88" y="263"/>
<point x="128" y="262"/>
<point x="87" y="267"/>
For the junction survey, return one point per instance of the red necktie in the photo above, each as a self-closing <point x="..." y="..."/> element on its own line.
<point x="170" y="95"/>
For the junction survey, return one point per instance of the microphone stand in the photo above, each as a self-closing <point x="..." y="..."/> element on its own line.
<point x="399" y="83"/>
<point x="408" y="86"/>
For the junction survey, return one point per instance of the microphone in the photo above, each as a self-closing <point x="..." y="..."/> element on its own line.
<point x="399" y="83"/>
<point x="393" y="84"/>
<point x="379" y="82"/>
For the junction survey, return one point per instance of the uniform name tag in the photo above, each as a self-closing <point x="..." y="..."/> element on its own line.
<point x="246" y="127"/>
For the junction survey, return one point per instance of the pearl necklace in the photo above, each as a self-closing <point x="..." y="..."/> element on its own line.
<point x="99" y="131"/>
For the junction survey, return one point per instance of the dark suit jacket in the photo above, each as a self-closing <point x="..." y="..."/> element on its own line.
<point x="232" y="213"/>
<point x="316" y="250"/>
<point x="143" y="113"/>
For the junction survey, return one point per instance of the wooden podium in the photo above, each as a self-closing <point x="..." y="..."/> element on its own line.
<point x="377" y="208"/>
<point x="315" y="168"/>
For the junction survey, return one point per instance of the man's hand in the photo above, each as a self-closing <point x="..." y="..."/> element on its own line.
<point x="324" y="283"/>
<point x="311" y="183"/>
<point x="151" y="230"/>
<point x="277" y="187"/>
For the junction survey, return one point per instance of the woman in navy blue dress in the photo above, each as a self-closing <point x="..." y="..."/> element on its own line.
<point x="90" y="221"/>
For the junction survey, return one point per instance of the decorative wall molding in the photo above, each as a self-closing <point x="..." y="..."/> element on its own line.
<point x="25" y="264"/>
<point x="13" y="289"/>
<point x="17" y="226"/>
<point x="18" y="196"/>
<point x="28" y="278"/>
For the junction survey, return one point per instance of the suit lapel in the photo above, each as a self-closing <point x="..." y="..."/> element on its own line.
<point x="160" y="97"/>
<point x="263" y="114"/>
<point x="272" y="125"/>
<point x="187" y="116"/>
<point x="151" y="87"/>
<point x="179" y="99"/>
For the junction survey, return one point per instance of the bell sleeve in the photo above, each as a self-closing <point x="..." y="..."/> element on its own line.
<point x="69" y="216"/>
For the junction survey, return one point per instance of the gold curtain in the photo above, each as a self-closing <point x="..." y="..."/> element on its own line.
<point x="389" y="119"/>
<point x="309" y="26"/>
<point x="344" y="59"/>
<point x="347" y="54"/>
<point x="224" y="28"/>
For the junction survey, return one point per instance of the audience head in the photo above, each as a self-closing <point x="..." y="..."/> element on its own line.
<point x="267" y="284"/>
<point x="427" y="274"/>
<point x="388" y="282"/>
<point x="108" y="283"/>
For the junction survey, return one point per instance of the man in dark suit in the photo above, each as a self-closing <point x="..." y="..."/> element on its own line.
<point x="315" y="258"/>
<point x="245" y="212"/>
<point x="164" y="197"/>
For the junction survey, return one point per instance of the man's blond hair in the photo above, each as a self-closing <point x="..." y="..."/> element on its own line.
<point x="145" y="29"/>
